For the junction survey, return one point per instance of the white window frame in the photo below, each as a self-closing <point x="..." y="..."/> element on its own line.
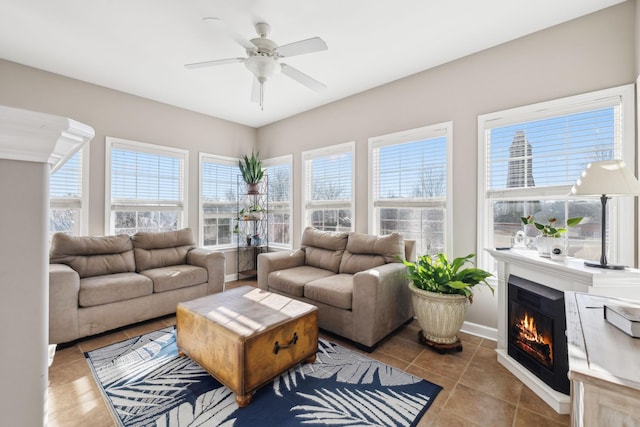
<point x="82" y="202"/>
<point x="407" y="136"/>
<point x="306" y="186"/>
<point x="275" y="161"/>
<point x="223" y="160"/>
<point x="112" y="142"/>
<point x="623" y="208"/>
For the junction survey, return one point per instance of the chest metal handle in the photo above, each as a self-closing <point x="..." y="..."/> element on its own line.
<point x="277" y="347"/>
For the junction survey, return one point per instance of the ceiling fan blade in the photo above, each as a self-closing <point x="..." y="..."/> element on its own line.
<point x="302" y="78"/>
<point x="255" y="91"/>
<point x="314" y="44"/>
<point x="220" y="25"/>
<point x="213" y="63"/>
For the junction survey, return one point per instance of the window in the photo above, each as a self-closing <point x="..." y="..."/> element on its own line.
<point x="533" y="155"/>
<point x="68" y="199"/>
<point x="328" y="187"/>
<point x="146" y="187"/>
<point x="219" y="177"/>
<point x="278" y="171"/>
<point x="409" y="178"/>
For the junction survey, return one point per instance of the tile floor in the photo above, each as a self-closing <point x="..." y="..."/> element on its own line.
<point x="477" y="390"/>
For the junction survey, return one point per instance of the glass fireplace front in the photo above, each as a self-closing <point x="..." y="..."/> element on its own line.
<point x="537" y="326"/>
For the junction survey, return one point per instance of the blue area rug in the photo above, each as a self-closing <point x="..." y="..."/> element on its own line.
<point x="146" y="383"/>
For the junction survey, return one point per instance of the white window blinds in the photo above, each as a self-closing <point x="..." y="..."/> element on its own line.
<point x="552" y="151"/>
<point x="409" y="180"/>
<point x="328" y="187"/>
<point x="410" y="171"/>
<point x="146" y="186"/>
<point x="279" y="209"/>
<point x="65" y="184"/>
<point x="143" y="177"/>
<point x="219" y="180"/>
<point x="329" y="176"/>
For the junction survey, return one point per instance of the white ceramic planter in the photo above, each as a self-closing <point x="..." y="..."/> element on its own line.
<point x="440" y="315"/>
<point x="545" y="243"/>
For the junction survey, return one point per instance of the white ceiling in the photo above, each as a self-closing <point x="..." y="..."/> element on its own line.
<point x="141" y="46"/>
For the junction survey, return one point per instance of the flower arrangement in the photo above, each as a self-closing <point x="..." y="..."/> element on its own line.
<point x="550" y="229"/>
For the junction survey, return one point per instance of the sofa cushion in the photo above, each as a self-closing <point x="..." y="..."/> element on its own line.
<point x="335" y="290"/>
<point x="109" y="288"/>
<point x="365" y="251"/>
<point x="292" y="280"/>
<point x="162" y="249"/>
<point x="93" y="256"/>
<point x="323" y="249"/>
<point x="175" y="277"/>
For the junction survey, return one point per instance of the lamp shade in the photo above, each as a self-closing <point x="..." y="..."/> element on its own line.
<point x="610" y="177"/>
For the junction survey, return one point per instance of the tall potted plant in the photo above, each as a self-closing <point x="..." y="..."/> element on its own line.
<point x="252" y="173"/>
<point x="441" y="292"/>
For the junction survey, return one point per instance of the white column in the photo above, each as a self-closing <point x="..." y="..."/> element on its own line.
<point x="31" y="145"/>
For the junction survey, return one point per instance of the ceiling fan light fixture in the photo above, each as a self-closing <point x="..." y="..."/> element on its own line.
<point x="263" y="68"/>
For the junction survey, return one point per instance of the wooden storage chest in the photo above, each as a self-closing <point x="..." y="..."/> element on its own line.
<point x="245" y="337"/>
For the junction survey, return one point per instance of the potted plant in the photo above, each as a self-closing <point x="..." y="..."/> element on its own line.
<point x="549" y="232"/>
<point x="252" y="173"/>
<point x="441" y="292"/>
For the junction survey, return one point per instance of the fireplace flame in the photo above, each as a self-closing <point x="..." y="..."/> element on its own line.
<point x="532" y="341"/>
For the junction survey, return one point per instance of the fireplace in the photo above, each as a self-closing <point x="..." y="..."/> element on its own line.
<point x="536" y="331"/>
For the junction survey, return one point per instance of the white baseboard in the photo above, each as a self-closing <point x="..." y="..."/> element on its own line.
<point x="230" y="278"/>
<point x="480" y="331"/>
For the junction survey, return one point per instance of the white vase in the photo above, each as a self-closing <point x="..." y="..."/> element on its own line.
<point x="544" y="244"/>
<point x="440" y="315"/>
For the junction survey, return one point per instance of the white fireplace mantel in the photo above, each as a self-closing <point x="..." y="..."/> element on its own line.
<point x="568" y="275"/>
<point x="39" y="137"/>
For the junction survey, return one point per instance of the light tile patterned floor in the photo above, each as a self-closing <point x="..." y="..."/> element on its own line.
<point x="478" y="391"/>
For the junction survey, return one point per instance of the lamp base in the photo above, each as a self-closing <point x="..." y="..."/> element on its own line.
<point x="605" y="266"/>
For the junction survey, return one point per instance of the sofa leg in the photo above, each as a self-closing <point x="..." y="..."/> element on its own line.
<point x="365" y="348"/>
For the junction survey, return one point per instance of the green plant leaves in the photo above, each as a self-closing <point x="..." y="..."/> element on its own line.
<point x="439" y="275"/>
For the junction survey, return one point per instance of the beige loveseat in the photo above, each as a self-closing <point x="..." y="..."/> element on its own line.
<point x="356" y="280"/>
<point x="101" y="283"/>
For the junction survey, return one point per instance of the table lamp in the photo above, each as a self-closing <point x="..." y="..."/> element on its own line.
<point x="606" y="178"/>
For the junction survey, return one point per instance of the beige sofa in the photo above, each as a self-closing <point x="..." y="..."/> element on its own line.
<point x="356" y="280"/>
<point x="101" y="283"/>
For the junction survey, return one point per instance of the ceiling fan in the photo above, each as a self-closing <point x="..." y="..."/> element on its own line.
<point x="263" y="57"/>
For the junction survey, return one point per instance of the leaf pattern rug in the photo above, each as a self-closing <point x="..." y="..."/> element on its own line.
<point x="146" y="383"/>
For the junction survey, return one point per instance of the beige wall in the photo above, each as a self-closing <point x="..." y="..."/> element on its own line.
<point x="593" y="52"/>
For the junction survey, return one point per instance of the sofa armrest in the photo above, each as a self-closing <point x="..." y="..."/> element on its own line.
<point x="381" y="302"/>
<point x="215" y="264"/>
<point x="64" y="286"/>
<point x="273" y="261"/>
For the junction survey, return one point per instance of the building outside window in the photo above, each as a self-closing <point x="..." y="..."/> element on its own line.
<point x="328" y="187"/>
<point x="530" y="158"/>
<point x="147" y="187"/>
<point x="409" y="186"/>
<point x="68" y="197"/>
